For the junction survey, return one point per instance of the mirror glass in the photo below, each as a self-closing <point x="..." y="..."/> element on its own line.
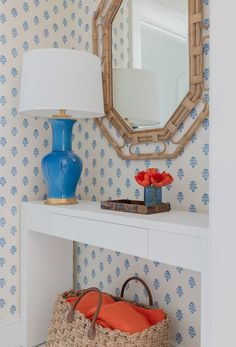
<point x="150" y="60"/>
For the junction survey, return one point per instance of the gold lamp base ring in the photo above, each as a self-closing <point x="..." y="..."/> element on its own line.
<point x="71" y="201"/>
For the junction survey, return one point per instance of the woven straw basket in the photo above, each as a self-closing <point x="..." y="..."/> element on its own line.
<point x="70" y="328"/>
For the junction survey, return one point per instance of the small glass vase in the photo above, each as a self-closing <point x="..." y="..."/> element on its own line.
<point x="152" y="196"/>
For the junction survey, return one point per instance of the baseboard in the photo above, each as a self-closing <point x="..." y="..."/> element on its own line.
<point x="10" y="332"/>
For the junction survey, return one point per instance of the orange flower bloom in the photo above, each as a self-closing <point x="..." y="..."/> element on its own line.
<point x="153" y="176"/>
<point x="151" y="171"/>
<point x="143" y="179"/>
<point x="161" y="180"/>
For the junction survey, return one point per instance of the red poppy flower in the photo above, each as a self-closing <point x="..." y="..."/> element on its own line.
<point x="161" y="179"/>
<point x="151" y="171"/>
<point x="143" y="179"/>
<point x="157" y="177"/>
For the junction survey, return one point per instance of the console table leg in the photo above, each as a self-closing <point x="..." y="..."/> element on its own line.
<point x="47" y="270"/>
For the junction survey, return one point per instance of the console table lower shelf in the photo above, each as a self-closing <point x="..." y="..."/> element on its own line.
<point x="176" y="238"/>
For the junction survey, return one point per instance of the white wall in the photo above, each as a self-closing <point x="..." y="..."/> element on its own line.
<point x="223" y="168"/>
<point x="158" y="50"/>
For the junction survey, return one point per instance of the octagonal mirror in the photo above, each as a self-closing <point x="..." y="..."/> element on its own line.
<point x="152" y="60"/>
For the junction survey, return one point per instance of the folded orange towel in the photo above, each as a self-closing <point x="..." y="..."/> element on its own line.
<point x="90" y="300"/>
<point x="121" y="315"/>
<point x="154" y="316"/>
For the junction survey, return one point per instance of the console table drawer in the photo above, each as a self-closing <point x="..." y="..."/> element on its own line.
<point x="118" y="237"/>
<point x="178" y="250"/>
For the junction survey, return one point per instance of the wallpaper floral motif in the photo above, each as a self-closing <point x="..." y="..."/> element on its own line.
<point x="120" y="37"/>
<point x="24" y="25"/>
<point x="47" y="23"/>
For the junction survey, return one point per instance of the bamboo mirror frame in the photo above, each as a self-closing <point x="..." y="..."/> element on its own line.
<point x="161" y="138"/>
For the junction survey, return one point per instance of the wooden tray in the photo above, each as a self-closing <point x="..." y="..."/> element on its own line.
<point x="134" y="206"/>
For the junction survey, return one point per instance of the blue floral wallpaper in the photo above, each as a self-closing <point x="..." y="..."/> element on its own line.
<point x="24" y="25"/>
<point x="46" y="23"/>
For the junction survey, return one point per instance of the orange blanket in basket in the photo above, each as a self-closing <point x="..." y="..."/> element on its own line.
<point x="119" y="315"/>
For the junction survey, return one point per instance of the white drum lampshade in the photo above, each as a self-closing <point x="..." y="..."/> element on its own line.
<point x="62" y="83"/>
<point x="61" y="79"/>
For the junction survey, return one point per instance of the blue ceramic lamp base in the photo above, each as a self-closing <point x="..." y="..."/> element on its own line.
<point x="62" y="167"/>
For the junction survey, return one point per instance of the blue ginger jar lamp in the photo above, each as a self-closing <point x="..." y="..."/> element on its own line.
<point x="62" y="168"/>
<point x="61" y="84"/>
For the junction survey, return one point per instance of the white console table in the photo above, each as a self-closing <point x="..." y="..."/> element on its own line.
<point x="176" y="238"/>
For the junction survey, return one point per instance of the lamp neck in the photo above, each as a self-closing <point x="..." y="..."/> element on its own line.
<point x="61" y="114"/>
<point x="61" y="134"/>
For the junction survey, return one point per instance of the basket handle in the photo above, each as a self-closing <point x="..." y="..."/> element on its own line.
<point x="144" y="284"/>
<point x="70" y="317"/>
